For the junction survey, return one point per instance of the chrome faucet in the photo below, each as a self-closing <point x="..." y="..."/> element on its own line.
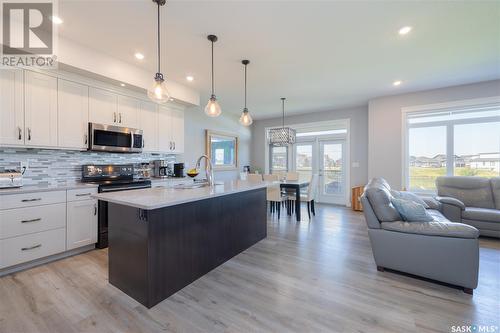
<point x="209" y="170"/>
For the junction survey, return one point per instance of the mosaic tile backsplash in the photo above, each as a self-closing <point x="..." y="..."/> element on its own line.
<point x="54" y="167"/>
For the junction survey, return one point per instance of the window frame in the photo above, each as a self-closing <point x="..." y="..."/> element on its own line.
<point x="477" y="103"/>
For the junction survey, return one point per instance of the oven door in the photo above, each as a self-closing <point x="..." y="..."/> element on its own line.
<point x="114" y="138"/>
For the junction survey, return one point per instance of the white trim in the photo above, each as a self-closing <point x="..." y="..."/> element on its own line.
<point x="476" y="102"/>
<point x="453" y="104"/>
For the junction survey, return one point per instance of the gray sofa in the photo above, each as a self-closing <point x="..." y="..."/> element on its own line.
<point x="440" y="250"/>
<point x="471" y="200"/>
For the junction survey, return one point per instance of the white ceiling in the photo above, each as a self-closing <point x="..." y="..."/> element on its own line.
<point x="321" y="55"/>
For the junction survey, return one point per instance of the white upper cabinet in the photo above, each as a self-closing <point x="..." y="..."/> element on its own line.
<point x="40" y="110"/>
<point x="177" y="117"/>
<point x="128" y="111"/>
<point x="73" y="114"/>
<point x="103" y="106"/>
<point x="164" y="128"/>
<point x="11" y="107"/>
<point x="170" y="129"/>
<point x="148" y="123"/>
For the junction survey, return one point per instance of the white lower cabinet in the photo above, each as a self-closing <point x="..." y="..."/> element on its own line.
<point x="81" y="227"/>
<point x="38" y="225"/>
<point x="25" y="248"/>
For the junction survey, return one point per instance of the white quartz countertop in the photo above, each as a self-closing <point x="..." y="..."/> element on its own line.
<point x="154" y="198"/>
<point x="46" y="188"/>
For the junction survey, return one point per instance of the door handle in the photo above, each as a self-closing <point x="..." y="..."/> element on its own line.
<point x="170" y="145"/>
<point x="30" y="200"/>
<point x="86" y="139"/>
<point x="120" y="117"/>
<point x="31" y="247"/>
<point x="114" y="117"/>
<point x="19" y="136"/>
<point x="29" y="133"/>
<point x="32" y="220"/>
<point x="174" y="145"/>
<point x="143" y="143"/>
<point x="95" y="209"/>
<point x="82" y="194"/>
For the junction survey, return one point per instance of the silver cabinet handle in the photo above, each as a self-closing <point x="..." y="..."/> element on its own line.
<point x="95" y="209"/>
<point x="170" y="144"/>
<point x="86" y="138"/>
<point x="143" y="143"/>
<point x="29" y="133"/>
<point x="32" y="220"/>
<point x="30" y="200"/>
<point x="120" y="115"/>
<point x="31" y="247"/>
<point x="174" y="145"/>
<point x="82" y="194"/>
<point x="20" y="133"/>
<point x="114" y="117"/>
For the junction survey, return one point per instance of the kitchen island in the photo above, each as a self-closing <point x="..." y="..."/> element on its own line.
<point x="162" y="239"/>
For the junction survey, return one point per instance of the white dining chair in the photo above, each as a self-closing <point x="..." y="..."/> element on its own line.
<point x="254" y="177"/>
<point x="309" y="196"/>
<point x="271" y="178"/>
<point x="275" y="197"/>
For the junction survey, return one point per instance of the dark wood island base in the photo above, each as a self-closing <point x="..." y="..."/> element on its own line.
<point x="155" y="253"/>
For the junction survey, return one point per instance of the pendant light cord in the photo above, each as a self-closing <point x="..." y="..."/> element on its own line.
<point x="283" y="107"/>
<point x="245" y="86"/>
<point x="212" y="68"/>
<point x="159" y="37"/>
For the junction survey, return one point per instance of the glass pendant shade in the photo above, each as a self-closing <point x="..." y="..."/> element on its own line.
<point x="158" y="91"/>
<point x="213" y="108"/>
<point x="246" y="119"/>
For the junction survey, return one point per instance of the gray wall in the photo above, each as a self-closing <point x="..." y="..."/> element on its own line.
<point x="385" y="136"/>
<point x="196" y="122"/>
<point x="359" y="137"/>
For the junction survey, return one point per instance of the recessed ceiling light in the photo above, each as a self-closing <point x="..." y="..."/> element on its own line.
<point x="56" y="19"/>
<point x="404" y="30"/>
<point x="139" y="55"/>
<point x="122" y="84"/>
<point x="189" y="78"/>
<point x="397" y="83"/>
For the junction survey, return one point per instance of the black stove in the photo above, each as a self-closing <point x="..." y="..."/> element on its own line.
<point x="110" y="178"/>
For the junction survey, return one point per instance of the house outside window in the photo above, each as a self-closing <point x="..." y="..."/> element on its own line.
<point x="460" y="141"/>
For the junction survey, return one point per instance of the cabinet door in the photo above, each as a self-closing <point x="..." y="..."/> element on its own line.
<point x="164" y="130"/>
<point x="73" y="114"/>
<point x="128" y="109"/>
<point x="103" y="106"/>
<point x="148" y="122"/>
<point x="81" y="227"/>
<point x="40" y="98"/>
<point x="11" y="107"/>
<point x="177" y="119"/>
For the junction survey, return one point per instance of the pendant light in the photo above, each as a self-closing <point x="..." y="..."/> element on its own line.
<point x="245" y="119"/>
<point x="158" y="91"/>
<point x="213" y="108"/>
<point x="283" y="136"/>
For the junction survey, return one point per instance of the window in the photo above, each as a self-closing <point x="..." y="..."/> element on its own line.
<point x="460" y="142"/>
<point x="304" y="160"/>
<point x="278" y="159"/>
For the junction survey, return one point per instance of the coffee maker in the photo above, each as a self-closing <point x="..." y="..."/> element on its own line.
<point x="161" y="169"/>
<point x="178" y="170"/>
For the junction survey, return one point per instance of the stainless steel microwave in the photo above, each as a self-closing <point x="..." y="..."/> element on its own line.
<point x="115" y="138"/>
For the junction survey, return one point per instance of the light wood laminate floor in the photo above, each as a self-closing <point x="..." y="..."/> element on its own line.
<point x="316" y="276"/>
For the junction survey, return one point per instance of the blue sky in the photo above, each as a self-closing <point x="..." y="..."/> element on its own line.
<point x="469" y="139"/>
